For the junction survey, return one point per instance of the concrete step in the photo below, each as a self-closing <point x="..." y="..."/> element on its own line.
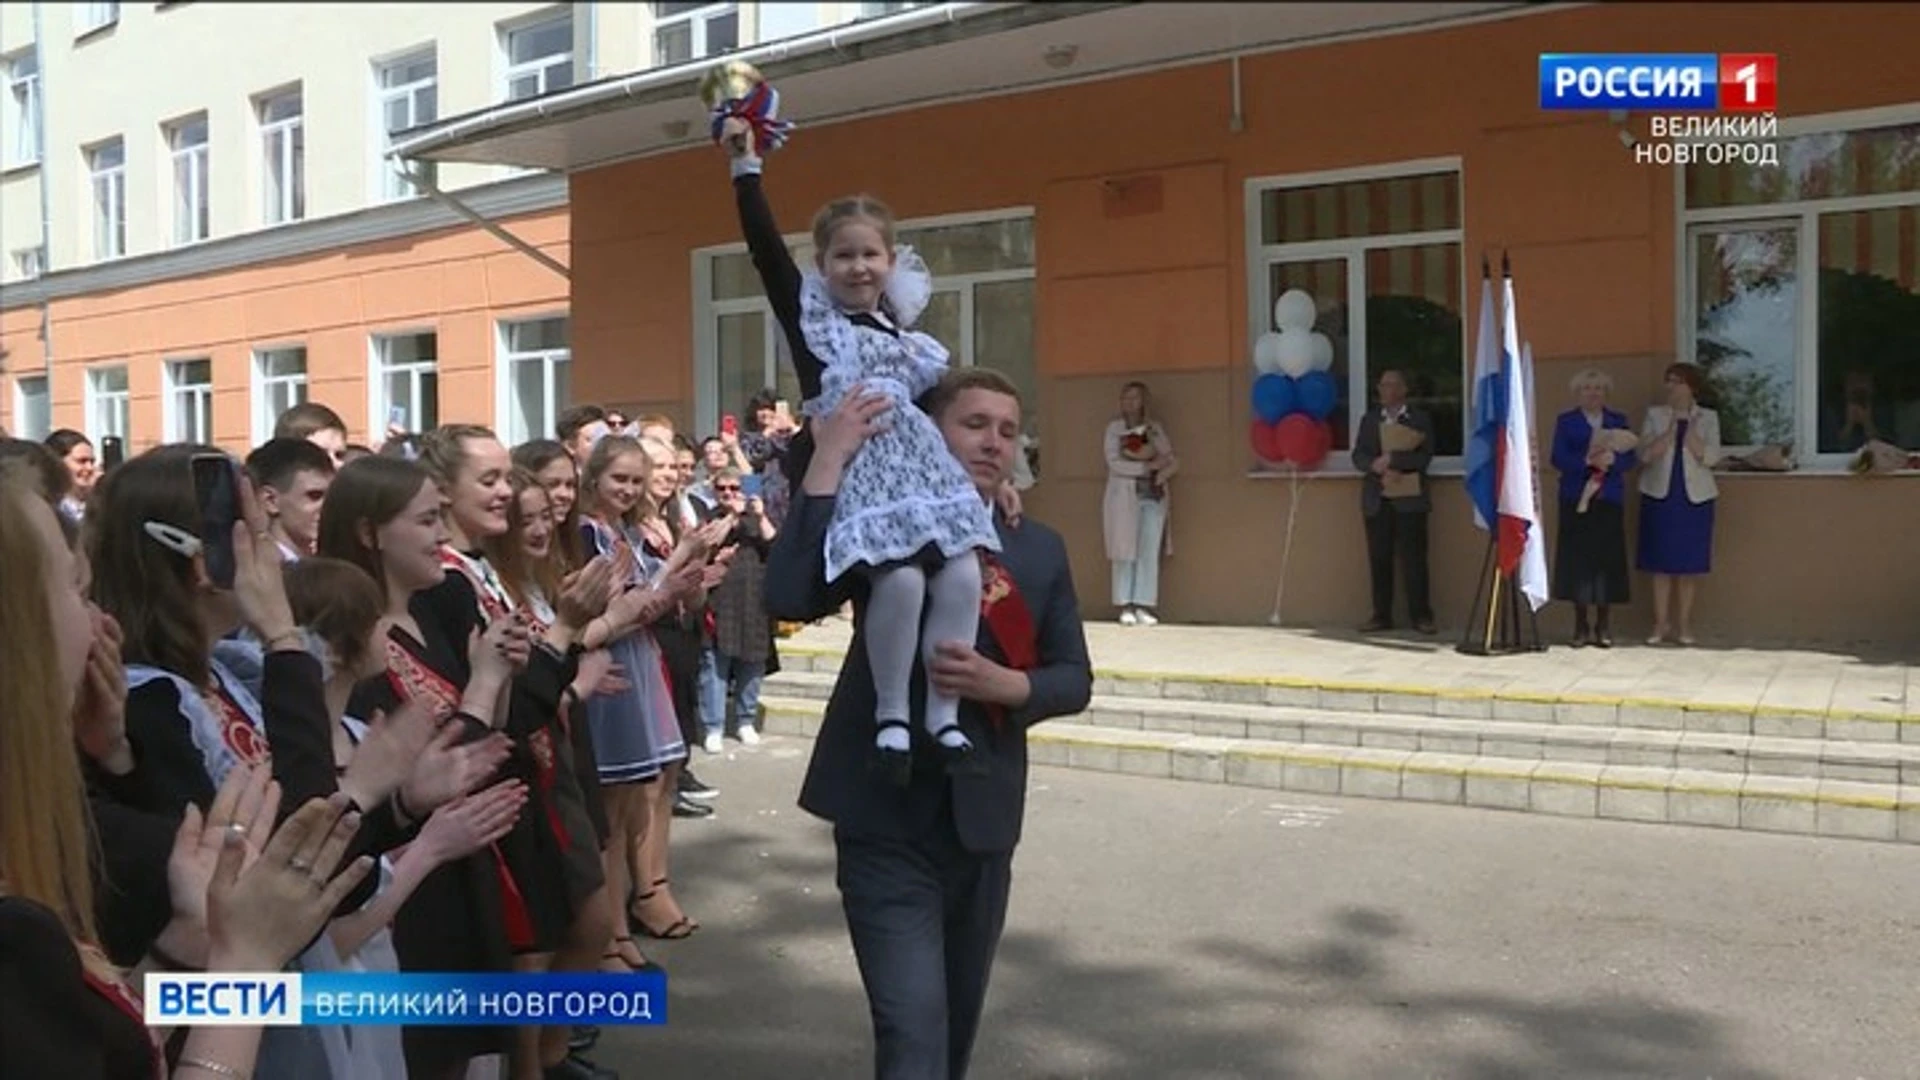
<point x="1840" y="808"/>
<point x="1740" y="755"/>
<point x="1460" y="703"/>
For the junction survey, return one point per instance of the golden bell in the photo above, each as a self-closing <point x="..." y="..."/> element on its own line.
<point x="730" y="81"/>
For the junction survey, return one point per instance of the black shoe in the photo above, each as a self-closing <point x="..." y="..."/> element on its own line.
<point x="1582" y="637"/>
<point x="1425" y="626"/>
<point x="894" y="766"/>
<point x="575" y="1067"/>
<point x="692" y="788"/>
<point x="687" y="808"/>
<point x="583" y="1037"/>
<point x="1375" y="626"/>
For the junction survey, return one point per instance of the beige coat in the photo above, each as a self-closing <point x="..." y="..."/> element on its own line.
<point x="1656" y="473"/>
<point x="1120" y="510"/>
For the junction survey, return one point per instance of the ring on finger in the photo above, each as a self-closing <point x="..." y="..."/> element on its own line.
<point x="299" y="866"/>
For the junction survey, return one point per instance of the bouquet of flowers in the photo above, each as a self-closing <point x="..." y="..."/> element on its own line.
<point x="1882" y="457"/>
<point x="1137" y="444"/>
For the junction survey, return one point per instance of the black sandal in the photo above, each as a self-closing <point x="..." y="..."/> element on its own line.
<point x="646" y="962"/>
<point x="680" y="928"/>
<point x="895" y="766"/>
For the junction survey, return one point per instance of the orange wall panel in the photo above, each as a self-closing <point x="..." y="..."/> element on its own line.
<point x="1169" y="320"/>
<point x="1148" y="220"/>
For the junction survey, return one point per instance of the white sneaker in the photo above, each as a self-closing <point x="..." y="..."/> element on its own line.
<point x="748" y="736"/>
<point x="1128" y="618"/>
<point x="1146" y="619"/>
<point x="714" y="745"/>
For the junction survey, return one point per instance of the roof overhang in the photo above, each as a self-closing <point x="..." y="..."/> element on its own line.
<point x="913" y="59"/>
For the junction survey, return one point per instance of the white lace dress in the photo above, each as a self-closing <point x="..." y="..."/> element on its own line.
<point x="904" y="491"/>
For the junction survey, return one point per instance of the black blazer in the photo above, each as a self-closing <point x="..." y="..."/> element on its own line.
<point x="988" y="807"/>
<point x="1366" y="447"/>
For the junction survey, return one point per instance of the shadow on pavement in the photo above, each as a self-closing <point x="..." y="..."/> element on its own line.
<point x="769" y="990"/>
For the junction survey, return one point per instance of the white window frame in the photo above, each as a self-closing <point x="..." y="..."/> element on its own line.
<point x="120" y="402"/>
<point x="24" y="111"/>
<point x="184" y="404"/>
<point x="389" y="184"/>
<point x="260" y="393"/>
<point x="1354" y="249"/>
<point x="22" y="430"/>
<point x="275" y="144"/>
<point x="378" y="369"/>
<point x="94" y="16"/>
<point x="110" y="229"/>
<point x="697" y="20"/>
<point x="199" y="225"/>
<point x="549" y="360"/>
<point x="1804" y="217"/>
<point x="708" y="311"/>
<point x="541" y="67"/>
<point x="30" y="262"/>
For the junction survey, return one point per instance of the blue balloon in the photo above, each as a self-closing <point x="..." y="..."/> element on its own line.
<point x="1316" y="394"/>
<point x="1273" y="397"/>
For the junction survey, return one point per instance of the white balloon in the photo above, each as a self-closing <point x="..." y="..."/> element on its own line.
<point x="1266" y="353"/>
<point x="1296" y="351"/>
<point x="1322" y="352"/>
<point x="1294" y="310"/>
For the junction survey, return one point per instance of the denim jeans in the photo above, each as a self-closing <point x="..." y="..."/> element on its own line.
<point x="713" y="693"/>
<point x="742" y="679"/>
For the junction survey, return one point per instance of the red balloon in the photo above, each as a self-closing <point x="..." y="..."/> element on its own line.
<point x="1322" y="444"/>
<point x="1266" y="442"/>
<point x="1297" y="440"/>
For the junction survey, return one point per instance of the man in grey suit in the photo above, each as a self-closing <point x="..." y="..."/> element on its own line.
<point x="1398" y="523"/>
<point x="924" y="869"/>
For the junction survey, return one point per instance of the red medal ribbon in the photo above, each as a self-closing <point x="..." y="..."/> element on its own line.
<point x="1009" y="620"/>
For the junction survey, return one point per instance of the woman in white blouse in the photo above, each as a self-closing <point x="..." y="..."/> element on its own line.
<point x="1679" y="444"/>
<point x="1140" y="461"/>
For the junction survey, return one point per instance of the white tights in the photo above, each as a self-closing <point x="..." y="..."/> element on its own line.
<point x="951" y="597"/>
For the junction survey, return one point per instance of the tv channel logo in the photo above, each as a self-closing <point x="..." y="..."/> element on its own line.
<point x="1660" y="82"/>
<point x="221" y="999"/>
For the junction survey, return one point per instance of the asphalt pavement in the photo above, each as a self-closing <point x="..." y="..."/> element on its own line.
<point x="1178" y="930"/>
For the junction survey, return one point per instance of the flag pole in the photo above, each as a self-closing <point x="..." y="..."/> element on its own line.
<point x="1493" y="607"/>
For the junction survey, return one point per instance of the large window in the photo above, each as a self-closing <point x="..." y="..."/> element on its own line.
<point x="534" y="362"/>
<point x="982" y="310"/>
<point x="406" y="392"/>
<point x="408" y="90"/>
<point x="88" y="17"/>
<point x="691" y="31"/>
<point x="32" y="408"/>
<point x="21" y="119"/>
<point x="539" y="55"/>
<point x="875" y="10"/>
<point x="1801" y="294"/>
<point x="189" y="402"/>
<point x="283" y="157"/>
<point x="280" y="383"/>
<point x="1379" y="250"/>
<point x="107" y="181"/>
<point x="31" y="262"/>
<point x="107" y="403"/>
<point x="192" y="216"/>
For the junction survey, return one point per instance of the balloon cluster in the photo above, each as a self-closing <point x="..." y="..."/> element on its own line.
<point x="1295" y="391"/>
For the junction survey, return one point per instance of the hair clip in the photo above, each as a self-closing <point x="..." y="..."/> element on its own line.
<point x="174" y="539"/>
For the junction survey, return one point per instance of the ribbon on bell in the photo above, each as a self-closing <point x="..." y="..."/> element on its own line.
<point x="736" y="90"/>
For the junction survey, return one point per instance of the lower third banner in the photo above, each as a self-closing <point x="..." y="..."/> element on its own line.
<point x="216" y="999"/>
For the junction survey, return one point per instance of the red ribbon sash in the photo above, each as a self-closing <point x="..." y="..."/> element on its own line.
<point x="1009" y="620"/>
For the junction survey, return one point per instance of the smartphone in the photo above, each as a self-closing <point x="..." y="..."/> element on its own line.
<point x="729" y="425"/>
<point x="216" y="487"/>
<point x="750" y="485"/>
<point x="113" y="451"/>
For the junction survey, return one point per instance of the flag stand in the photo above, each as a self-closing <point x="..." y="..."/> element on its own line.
<point x="1500" y="621"/>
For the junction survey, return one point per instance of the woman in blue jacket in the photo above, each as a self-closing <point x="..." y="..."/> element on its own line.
<point x="1590" y="563"/>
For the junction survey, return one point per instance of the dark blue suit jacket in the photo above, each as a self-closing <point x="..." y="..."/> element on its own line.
<point x="1571" y="437"/>
<point x="988" y="807"/>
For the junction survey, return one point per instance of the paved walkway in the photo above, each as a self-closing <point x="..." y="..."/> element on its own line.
<point x="1170" y="931"/>
<point x="1786" y="683"/>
